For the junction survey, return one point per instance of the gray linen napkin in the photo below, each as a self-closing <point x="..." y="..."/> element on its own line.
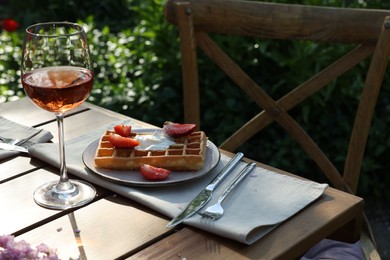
<point x="262" y="201"/>
<point x="10" y="129"/>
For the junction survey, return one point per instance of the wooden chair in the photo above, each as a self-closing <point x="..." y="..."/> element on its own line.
<point x="368" y="29"/>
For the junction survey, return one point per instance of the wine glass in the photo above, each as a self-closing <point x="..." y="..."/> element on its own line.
<point x="57" y="76"/>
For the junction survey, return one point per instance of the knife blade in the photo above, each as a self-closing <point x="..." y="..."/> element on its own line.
<point x="12" y="147"/>
<point x="205" y="195"/>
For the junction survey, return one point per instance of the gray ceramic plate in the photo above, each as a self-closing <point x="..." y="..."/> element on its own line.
<point x="135" y="178"/>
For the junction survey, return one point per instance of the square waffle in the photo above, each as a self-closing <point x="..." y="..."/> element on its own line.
<point x="188" y="153"/>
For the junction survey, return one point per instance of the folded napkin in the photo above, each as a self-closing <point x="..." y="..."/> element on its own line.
<point x="262" y="201"/>
<point x="10" y="129"/>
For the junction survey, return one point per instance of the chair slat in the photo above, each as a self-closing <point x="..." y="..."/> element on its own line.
<point x="366" y="107"/>
<point x="263" y="100"/>
<point x="299" y="94"/>
<point x="190" y="76"/>
<point x="324" y="24"/>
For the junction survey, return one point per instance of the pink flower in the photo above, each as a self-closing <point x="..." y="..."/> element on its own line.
<point x="10" y="249"/>
<point x="10" y="25"/>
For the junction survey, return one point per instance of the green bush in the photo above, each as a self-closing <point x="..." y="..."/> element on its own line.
<point x="137" y="68"/>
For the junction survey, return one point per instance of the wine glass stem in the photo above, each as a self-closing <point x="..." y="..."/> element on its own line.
<point x="64" y="183"/>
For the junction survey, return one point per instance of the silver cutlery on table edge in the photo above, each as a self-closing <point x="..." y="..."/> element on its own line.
<point x="15" y="144"/>
<point x="12" y="147"/>
<point x="19" y="141"/>
<point x="216" y="211"/>
<point x="205" y="195"/>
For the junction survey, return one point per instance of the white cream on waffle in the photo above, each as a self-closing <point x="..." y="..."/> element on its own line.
<point x="156" y="140"/>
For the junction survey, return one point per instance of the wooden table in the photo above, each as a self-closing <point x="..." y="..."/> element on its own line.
<point x="114" y="227"/>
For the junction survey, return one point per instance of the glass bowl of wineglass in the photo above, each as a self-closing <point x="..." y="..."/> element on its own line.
<point x="57" y="76"/>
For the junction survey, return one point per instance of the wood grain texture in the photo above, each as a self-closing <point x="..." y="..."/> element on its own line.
<point x="254" y="18"/>
<point x="190" y="77"/>
<point x="107" y="229"/>
<point x="288" y="241"/>
<point x="298" y="95"/>
<point x="364" y="114"/>
<point x="24" y="112"/>
<point x="17" y="194"/>
<point x="17" y="165"/>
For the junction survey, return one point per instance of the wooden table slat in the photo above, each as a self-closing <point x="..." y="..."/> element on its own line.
<point x="24" y="112"/>
<point x="22" y="202"/>
<point x="17" y="165"/>
<point x="107" y="229"/>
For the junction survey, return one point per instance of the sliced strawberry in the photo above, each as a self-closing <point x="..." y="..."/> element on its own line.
<point x="154" y="173"/>
<point x="178" y="130"/>
<point x="123" y="130"/>
<point x="122" y="142"/>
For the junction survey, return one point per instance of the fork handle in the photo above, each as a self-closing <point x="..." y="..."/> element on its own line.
<point x="20" y="142"/>
<point x="244" y="172"/>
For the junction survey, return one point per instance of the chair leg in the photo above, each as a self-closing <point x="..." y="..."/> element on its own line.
<point x="367" y="241"/>
<point x="368" y="248"/>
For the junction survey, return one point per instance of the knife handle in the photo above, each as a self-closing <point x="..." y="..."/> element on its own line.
<point x="225" y="171"/>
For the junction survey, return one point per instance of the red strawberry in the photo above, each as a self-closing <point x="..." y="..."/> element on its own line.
<point x="123" y="130"/>
<point x="178" y="130"/>
<point x="154" y="173"/>
<point x="122" y="142"/>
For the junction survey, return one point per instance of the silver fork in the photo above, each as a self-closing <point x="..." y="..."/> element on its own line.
<point x="216" y="211"/>
<point x="21" y="141"/>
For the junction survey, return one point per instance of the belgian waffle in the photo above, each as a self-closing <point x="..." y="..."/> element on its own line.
<point x="188" y="153"/>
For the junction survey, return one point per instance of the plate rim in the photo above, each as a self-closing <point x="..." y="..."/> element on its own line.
<point x="147" y="183"/>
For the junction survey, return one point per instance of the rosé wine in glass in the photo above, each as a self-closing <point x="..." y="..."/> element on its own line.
<point x="58" y="89"/>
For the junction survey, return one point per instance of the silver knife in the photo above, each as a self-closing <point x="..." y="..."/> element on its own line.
<point x="12" y="147"/>
<point x="205" y="195"/>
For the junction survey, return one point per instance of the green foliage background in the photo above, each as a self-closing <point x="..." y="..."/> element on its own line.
<point x="137" y="68"/>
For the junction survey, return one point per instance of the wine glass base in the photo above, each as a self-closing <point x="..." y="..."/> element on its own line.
<point x="48" y="196"/>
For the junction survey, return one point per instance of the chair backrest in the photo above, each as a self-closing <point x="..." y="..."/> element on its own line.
<point x="368" y="29"/>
